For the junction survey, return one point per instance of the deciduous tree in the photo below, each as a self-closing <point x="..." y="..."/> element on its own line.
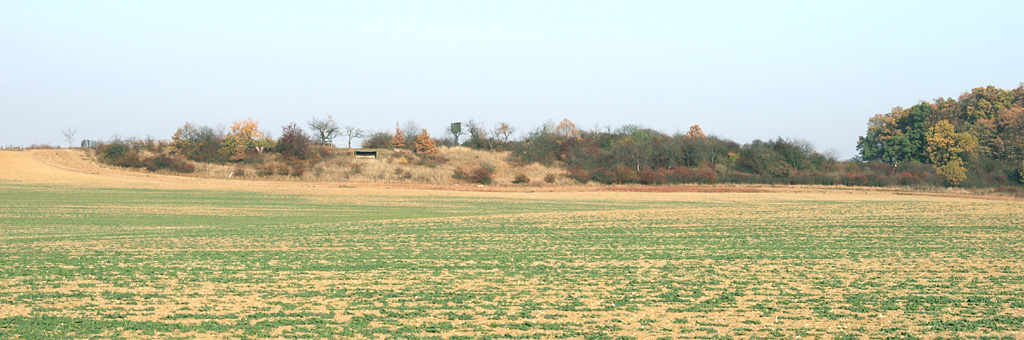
<point x="198" y="143"/>
<point x="245" y="135"/>
<point x="946" y="145"/>
<point x="69" y="136"/>
<point x="324" y="130"/>
<point x="478" y="136"/>
<point x="568" y="130"/>
<point x="502" y="132"/>
<point x="294" y="143"/>
<point x="946" y="149"/>
<point x="352" y="132"/>
<point x="696" y="132"/>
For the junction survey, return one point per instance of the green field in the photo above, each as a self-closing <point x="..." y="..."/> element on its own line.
<point x="87" y="262"/>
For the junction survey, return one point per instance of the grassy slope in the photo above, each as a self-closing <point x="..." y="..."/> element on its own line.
<point x="105" y="262"/>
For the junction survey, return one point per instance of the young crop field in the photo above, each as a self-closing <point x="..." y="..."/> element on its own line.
<point x="97" y="260"/>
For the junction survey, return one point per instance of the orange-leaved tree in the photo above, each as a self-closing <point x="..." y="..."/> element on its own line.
<point x="426" y="145"/>
<point x="696" y="132"/>
<point x="245" y="135"/>
<point x="398" y="140"/>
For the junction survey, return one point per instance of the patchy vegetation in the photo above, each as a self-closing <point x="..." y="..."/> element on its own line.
<point x="83" y="262"/>
<point x="975" y="141"/>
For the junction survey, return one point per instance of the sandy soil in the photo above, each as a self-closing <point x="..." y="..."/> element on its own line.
<point x="75" y="167"/>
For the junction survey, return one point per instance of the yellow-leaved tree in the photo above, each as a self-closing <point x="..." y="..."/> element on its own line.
<point x="245" y="135"/>
<point x="946" y="148"/>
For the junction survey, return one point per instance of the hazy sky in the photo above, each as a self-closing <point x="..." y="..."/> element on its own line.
<point x="815" y="70"/>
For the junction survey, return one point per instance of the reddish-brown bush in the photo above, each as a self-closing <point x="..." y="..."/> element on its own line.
<point x="521" y="179"/>
<point x="580" y="175"/>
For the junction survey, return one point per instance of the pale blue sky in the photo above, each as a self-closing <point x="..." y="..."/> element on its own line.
<point x="815" y="70"/>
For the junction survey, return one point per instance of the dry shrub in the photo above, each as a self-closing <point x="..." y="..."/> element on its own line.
<point x="580" y="175"/>
<point x="549" y="178"/>
<point x="431" y="161"/>
<point x="163" y="161"/>
<point x="281" y="169"/>
<point x="706" y="175"/>
<point x="521" y="179"/>
<point x="477" y="174"/>
<point x="651" y="176"/>
<point x="265" y="170"/>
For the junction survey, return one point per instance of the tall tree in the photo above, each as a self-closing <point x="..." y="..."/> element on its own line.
<point x="324" y="130"/>
<point x="945" y="144"/>
<point x="352" y="132"/>
<point x="946" y="149"/>
<point x="897" y="136"/>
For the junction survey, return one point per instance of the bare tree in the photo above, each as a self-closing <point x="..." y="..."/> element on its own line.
<point x="69" y="136"/>
<point x="478" y="136"/>
<point x="324" y="130"/>
<point x="504" y="132"/>
<point x="411" y="129"/>
<point x="352" y="132"/>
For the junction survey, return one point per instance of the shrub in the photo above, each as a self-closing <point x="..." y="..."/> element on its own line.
<point x="168" y="162"/>
<point x="853" y="178"/>
<point x="521" y="179"/>
<point x="265" y="170"/>
<point x="298" y="171"/>
<point x="481" y="175"/>
<point x="431" y="161"/>
<point x="119" y="153"/>
<point x="477" y="174"/>
<point x="294" y="143"/>
<point x="580" y="175"/>
<point x="651" y="176"/>
<point x="953" y="172"/>
<point x="378" y="140"/>
<point x="281" y="169"/>
<point x="251" y="157"/>
<point x="1020" y="172"/>
<point x="549" y="178"/>
<point x="198" y="143"/>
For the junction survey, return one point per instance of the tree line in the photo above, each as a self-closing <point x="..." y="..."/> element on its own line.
<point x="976" y="140"/>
